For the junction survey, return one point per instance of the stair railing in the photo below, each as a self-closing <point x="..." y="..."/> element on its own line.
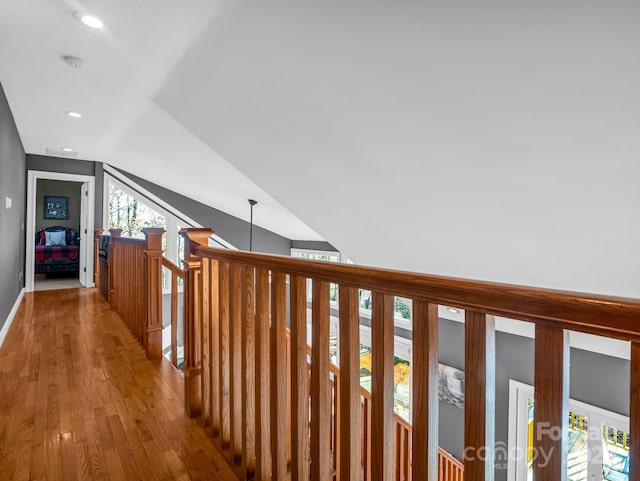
<point x="133" y="269"/>
<point x="254" y="399"/>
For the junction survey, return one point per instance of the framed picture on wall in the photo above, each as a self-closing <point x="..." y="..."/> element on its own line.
<point x="56" y="207"/>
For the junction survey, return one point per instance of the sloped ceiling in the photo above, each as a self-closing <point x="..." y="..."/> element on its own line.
<point x="492" y="140"/>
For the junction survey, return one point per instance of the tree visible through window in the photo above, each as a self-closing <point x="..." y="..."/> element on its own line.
<point x="130" y="215"/>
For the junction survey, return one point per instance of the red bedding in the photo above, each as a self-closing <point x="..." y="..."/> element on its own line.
<point x="56" y="252"/>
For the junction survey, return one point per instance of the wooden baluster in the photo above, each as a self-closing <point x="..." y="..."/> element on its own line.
<point x="479" y="410"/>
<point x="382" y="343"/>
<point x="299" y="377"/>
<point x="551" y="394"/>
<point x="193" y="238"/>
<point x="235" y="322"/>
<point x="320" y="393"/>
<point x="368" y="415"/>
<point x="214" y="356"/>
<point x="350" y="405"/>
<point x="278" y="377"/>
<point x="425" y="391"/>
<point x="337" y="396"/>
<point x="263" y="369"/>
<point x="205" y="340"/>
<point x="152" y="332"/>
<point x="397" y="452"/>
<point x="248" y="375"/>
<point x="634" y="414"/>
<point x="225" y="354"/>
<point x="174" y="319"/>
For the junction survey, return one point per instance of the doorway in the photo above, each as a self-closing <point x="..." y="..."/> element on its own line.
<point x="59" y="242"/>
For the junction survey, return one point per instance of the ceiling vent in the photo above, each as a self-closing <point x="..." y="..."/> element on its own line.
<point x="73" y="62"/>
<point x="61" y="153"/>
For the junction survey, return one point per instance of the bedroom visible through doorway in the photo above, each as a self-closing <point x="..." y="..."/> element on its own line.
<point x="59" y="225"/>
<point x="57" y="239"/>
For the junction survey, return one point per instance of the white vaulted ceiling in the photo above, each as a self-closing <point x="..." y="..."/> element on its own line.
<point x="492" y="140"/>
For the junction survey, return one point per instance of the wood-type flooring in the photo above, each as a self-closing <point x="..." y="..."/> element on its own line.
<point x="80" y="401"/>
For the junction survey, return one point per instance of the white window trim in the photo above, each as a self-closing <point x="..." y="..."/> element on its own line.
<point x="518" y="437"/>
<point x="111" y="174"/>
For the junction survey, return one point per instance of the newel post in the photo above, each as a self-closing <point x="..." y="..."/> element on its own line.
<point x="192" y="304"/>
<point x="96" y="257"/>
<point x="153" y="273"/>
<point x="113" y="252"/>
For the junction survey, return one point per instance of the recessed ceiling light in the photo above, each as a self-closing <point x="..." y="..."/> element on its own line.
<point x="66" y="149"/>
<point x="451" y="309"/>
<point x="88" y="19"/>
<point x="75" y="115"/>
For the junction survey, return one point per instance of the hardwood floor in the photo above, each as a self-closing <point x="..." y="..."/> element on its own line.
<point x="80" y="401"/>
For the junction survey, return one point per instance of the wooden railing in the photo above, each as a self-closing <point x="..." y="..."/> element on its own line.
<point x="176" y="274"/>
<point x="247" y="393"/>
<point x="134" y="284"/>
<point x="449" y="468"/>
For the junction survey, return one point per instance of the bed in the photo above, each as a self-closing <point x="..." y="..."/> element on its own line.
<point x="57" y="250"/>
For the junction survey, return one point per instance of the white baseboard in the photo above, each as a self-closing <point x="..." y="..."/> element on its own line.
<point x="12" y="314"/>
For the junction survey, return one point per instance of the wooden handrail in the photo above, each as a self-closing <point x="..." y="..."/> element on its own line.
<point x="225" y="289"/>
<point x="176" y="273"/>
<point x="608" y="316"/>
<point x="172" y="267"/>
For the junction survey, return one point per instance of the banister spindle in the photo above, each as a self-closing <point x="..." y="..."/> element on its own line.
<point x="278" y="377"/>
<point x="480" y="392"/>
<point x="299" y="386"/>
<point x="320" y="389"/>
<point x="248" y="375"/>
<point x="382" y="344"/>
<point x="551" y="410"/>
<point x="349" y="435"/>
<point x="214" y="345"/>
<point x="425" y="390"/>
<point x="225" y="356"/>
<point x="205" y="340"/>
<point x="235" y="322"/>
<point x="634" y="414"/>
<point x="174" y="319"/>
<point x="263" y="369"/>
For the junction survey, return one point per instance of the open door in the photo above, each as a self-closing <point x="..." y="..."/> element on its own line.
<point x="84" y="230"/>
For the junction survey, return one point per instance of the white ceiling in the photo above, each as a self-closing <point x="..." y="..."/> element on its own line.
<point x="126" y="63"/>
<point x="492" y="140"/>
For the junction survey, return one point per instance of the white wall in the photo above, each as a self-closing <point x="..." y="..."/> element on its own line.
<point x="492" y="140"/>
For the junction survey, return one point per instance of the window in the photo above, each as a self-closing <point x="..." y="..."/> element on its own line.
<point x="326" y="256"/>
<point x="598" y="440"/>
<point x="128" y="213"/>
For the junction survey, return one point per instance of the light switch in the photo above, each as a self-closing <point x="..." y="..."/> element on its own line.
<point x="8" y="202"/>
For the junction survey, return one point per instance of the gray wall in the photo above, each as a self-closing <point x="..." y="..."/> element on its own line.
<point x="13" y="185"/>
<point x="595" y="379"/>
<point x="230" y="228"/>
<point x="72" y="166"/>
